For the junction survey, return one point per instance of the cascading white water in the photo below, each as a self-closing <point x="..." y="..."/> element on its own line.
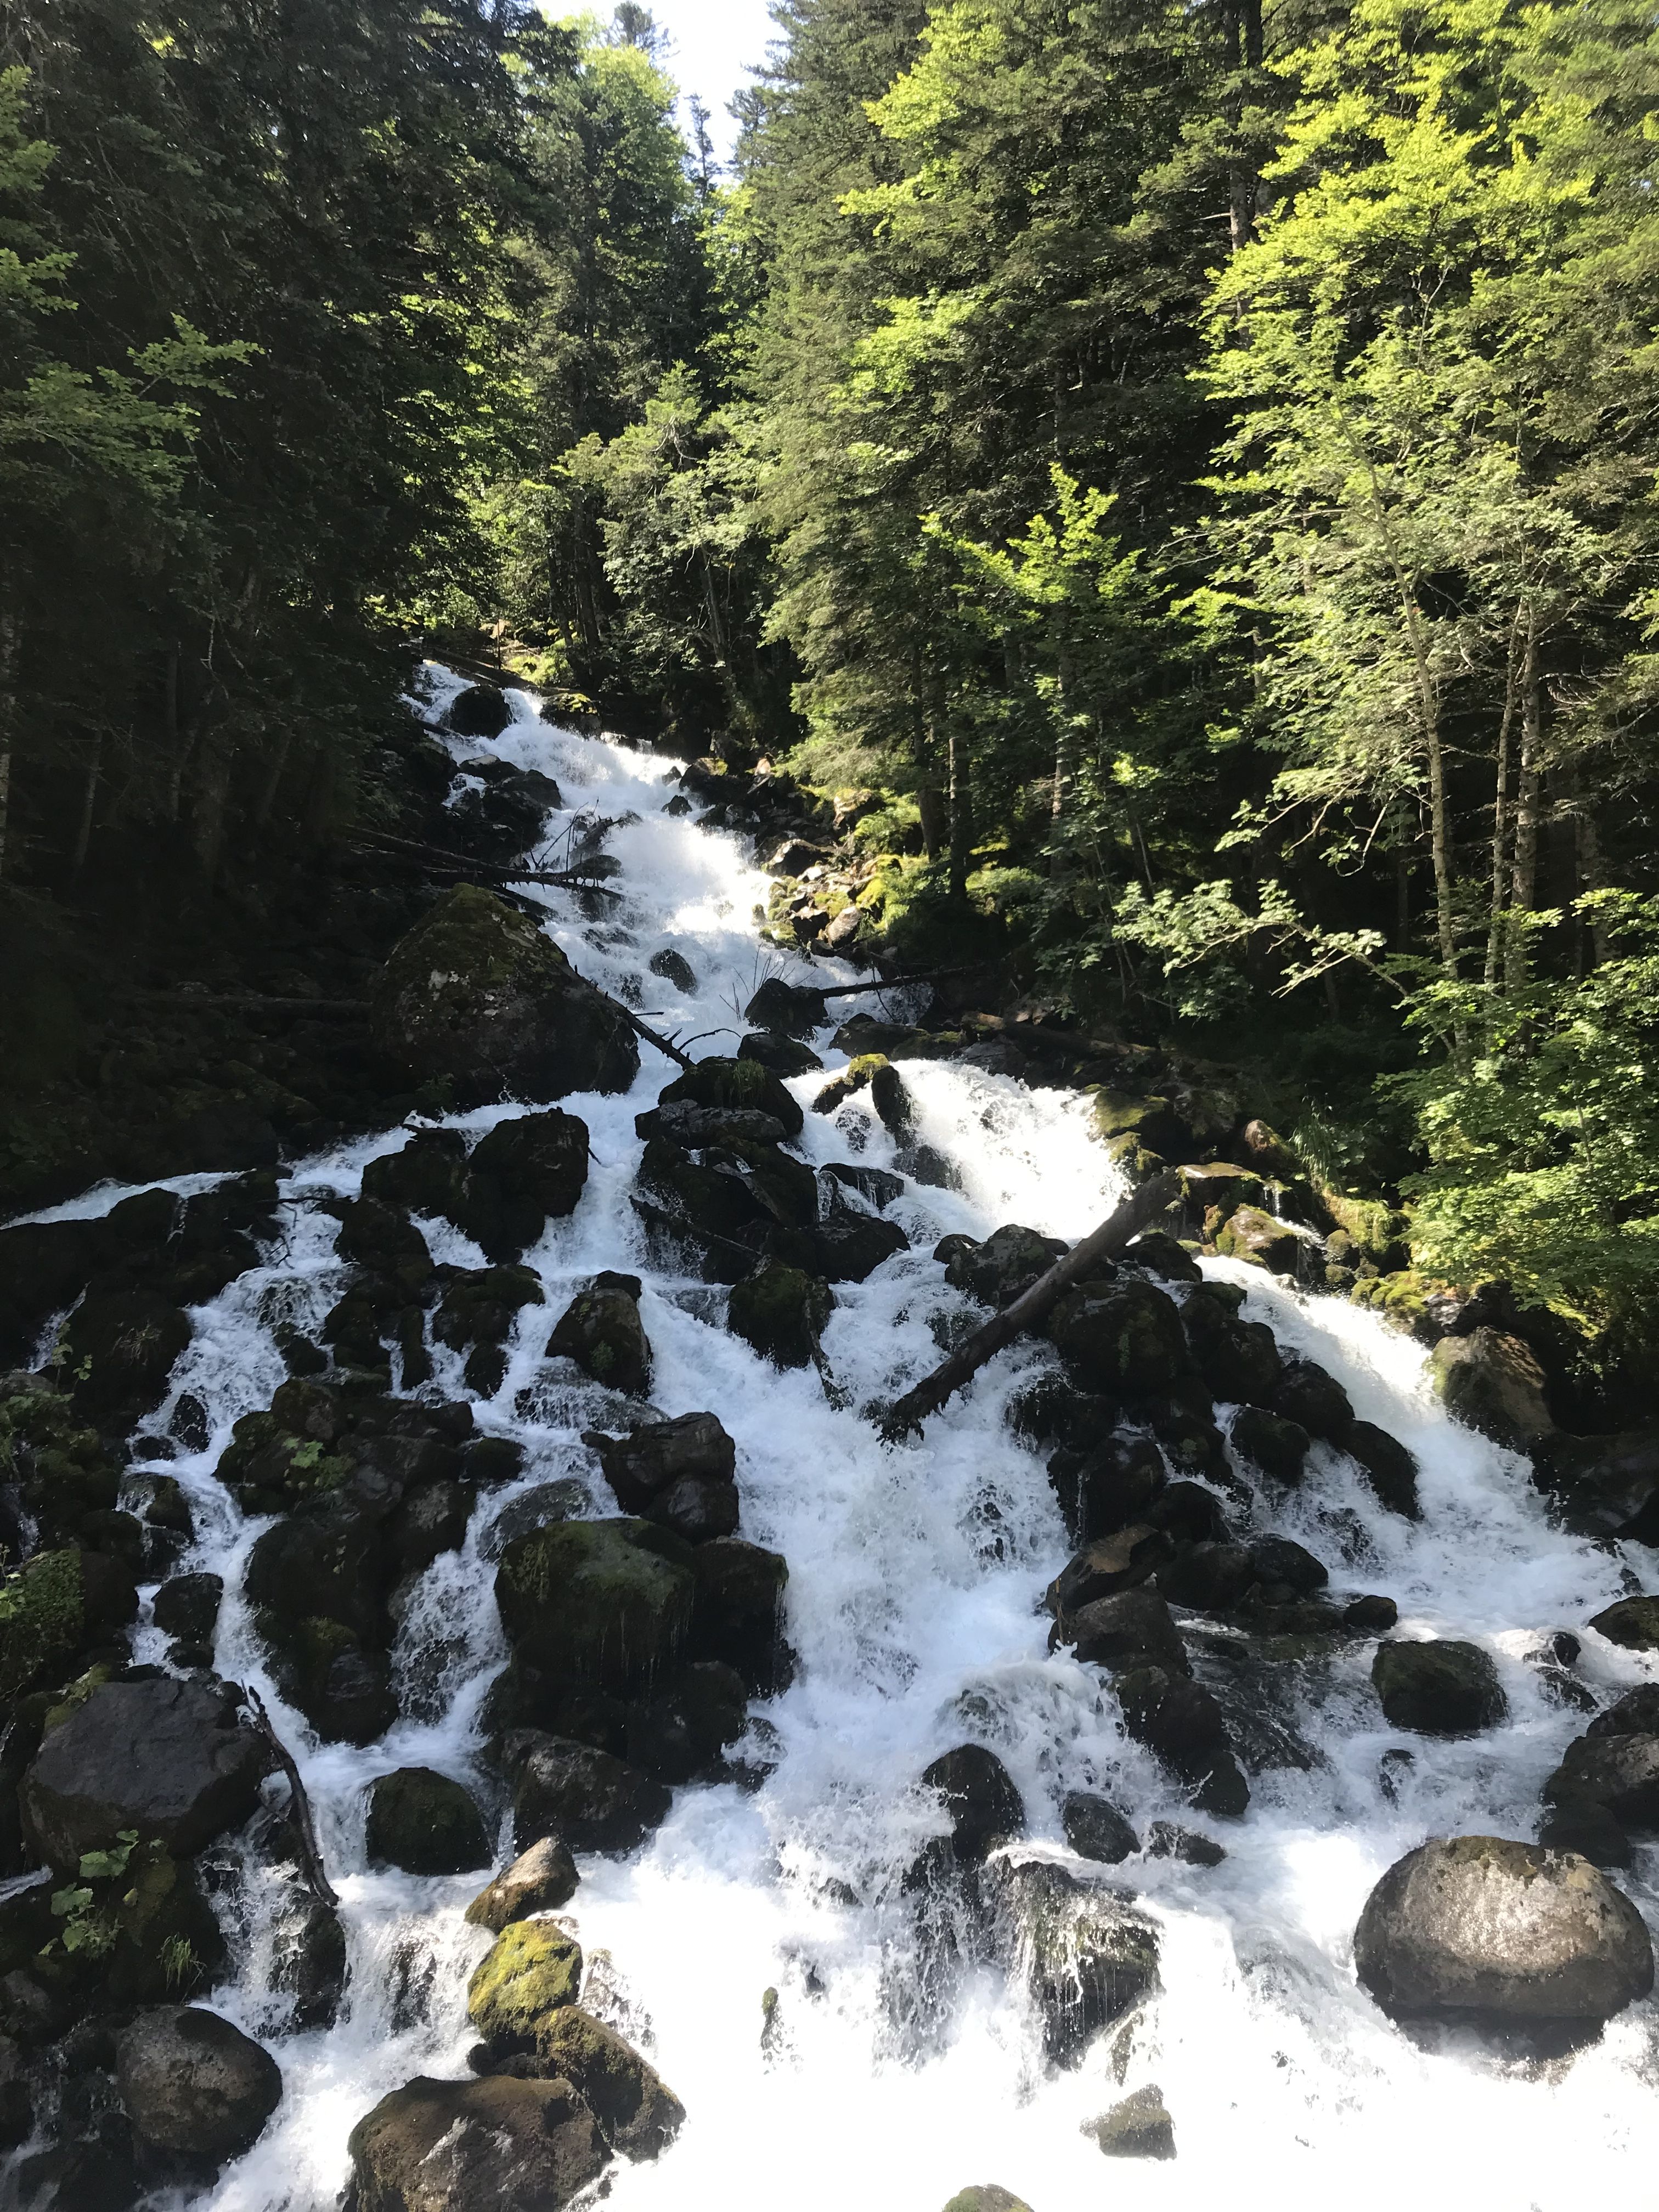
<point x="914" y="1606"/>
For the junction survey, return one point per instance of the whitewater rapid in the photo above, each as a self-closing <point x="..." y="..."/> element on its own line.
<point x="914" y="1606"/>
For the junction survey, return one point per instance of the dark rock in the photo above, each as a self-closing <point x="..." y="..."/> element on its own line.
<point x="1392" y="1468"/>
<point x="1139" y="2127"/>
<point x="490" y="1459"/>
<point x="424" y="1823"/>
<point x="329" y="1565"/>
<point x="788" y="1008"/>
<point x="778" y="1053"/>
<point x="1095" y="1828"/>
<point x="119" y="1347"/>
<point x="604" y="1603"/>
<point x="529" y="1169"/>
<point x="740" y="1084"/>
<point x="602" y="1332"/>
<point x="1637" y="1713"/>
<point x="680" y="1735"/>
<point x="1210" y="1578"/>
<point x="310" y="1963"/>
<point x="431" y="1521"/>
<point x="480" y="1305"/>
<point x="1250" y="1234"/>
<point x="1004" y="1265"/>
<point x="168" y="1758"/>
<point x="1620" y="1773"/>
<point x="499" y="2145"/>
<point x="1371" y="1616"/>
<point x="195" y="2086"/>
<point x="1438" y="1688"/>
<point x="980" y="1801"/>
<point x="16" y="2097"/>
<point x="1314" y="1399"/>
<point x="737" y="1612"/>
<point x="1581" y="1824"/>
<point x="1088" y="1953"/>
<point x="1278" y="1448"/>
<point x="595" y="1802"/>
<point x="1632" y="1623"/>
<point x="480" y="711"/>
<point x="1109" y="1488"/>
<point x="1162" y="1254"/>
<point x="1479" y="1927"/>
<point x="1182" y="1723"/>
<point x="638" y="2114"/>
<point x="679" y="1474"/>
<point x="879" y="1187"/>
<point x="1492" y="1382"/>
<point x="847" y="1248"/>
<point x="1122" y="1338"/>
<point x="540" y="1880"/>
<point x="189" y="1607"/>
<point x="479" y="996"/>
<point x="782" y="1312"/>
<point x="674" y="968"/>
<point x="379" y="1239"/>
<point x="1239" y="1359"/>
<point x="1166" y="1841"/>
<point x="1279" y="1559"/>
<point x="98" y="2175"/>
<point x="1134" y="1628"/>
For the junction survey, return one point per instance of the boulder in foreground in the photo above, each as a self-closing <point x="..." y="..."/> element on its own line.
<point x="195" y="2086"/>
<point x="498" y="2145"/>
<point x="1501" y="1934"/>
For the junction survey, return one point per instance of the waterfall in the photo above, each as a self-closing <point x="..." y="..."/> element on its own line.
<point x="877" y="2078"/>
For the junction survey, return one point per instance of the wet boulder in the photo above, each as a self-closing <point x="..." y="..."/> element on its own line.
<point x="595" y="1801"/>
<point x="499" y="2145"/>
<point x="1632" y="1623"/>
<point x="1239" y="1359"/>
<point x="1280" y="1448"/>
<point x="980" y="1798"/>
<point x="429" y="1175"/>
<point x="1181" y="1722"/>
<point x="309" y="1964"/>
<point x="1314" y="1400"/>
<point x="782" y="1312"/>
<point x="847" y="1247"/>
<point x="1210" y="1578"/>
<point x="1619" y="1773"/>
<point x="673" y="968"/>
<point x="1089" y="1956"/>
<point x="1137" y="2127"/>
<point x="605" y="1603"/>
<point x="477" y="1316"/>
<point x="528" y="1171"/>
<point x="431" y="1521"/>
<point x="1438" y="1688"/>
<point x="779" y="1053"/>
<point x="1637" y="1713"/>
<point x="788" y="1009"/>
<point x="739" y="1083"/>
<point x="119" y="1347"/>
<point x="601" y="1330"/>
<point x="1121" y="1337"/>
<point x="478" y="996"/>
<point x="1136" y="1628"/>
<point x="1095" y="1829"/>
<point x="532" y="1971"/>
<point x="1391" y="1468"/>
<point x="172" y="1759"/>
<point x="737" y="1612"/>
<point x="638" y="2114"/>
<point x="681" y="1734"/>
<point x="1507" y="1933"/>
<point x="1164" y="1256"/>
<point x="1111" y="1487"/>
<point x="540" y="1880"/>
<point x="1492" y="1382"/>
<point x="193" y="2086"/>
<point x="1250" y="1234"/>
<point x="480" y="711"/>
<point x="58" y="1602"/>
<point x="1004" y="1265"/>
<point x="1122" y="1561"/>
<point x="680" y="1473"/>
<point x="383" y="1240"/>
<point x="188" y="1607"/>
<point x="424" y="1823"/>
<point x="1287" y="1569"/>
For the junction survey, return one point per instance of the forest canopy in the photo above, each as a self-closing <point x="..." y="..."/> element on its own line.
<point x="1186" y="473"/>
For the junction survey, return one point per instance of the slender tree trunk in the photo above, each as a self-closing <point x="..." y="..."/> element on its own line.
<point x="930" y="804"/>
<point x="1500" y="816"/>
<point x="8" y="722"/>
<point x="1523" y="883"/>
<point x="1243" y="45"/>
<point x="962" y="831"/>
<point x="1064" y="747"/>
<point x="84" y="835"/>
<point x="261" y="813"/>
<point x="1591" y="874"/>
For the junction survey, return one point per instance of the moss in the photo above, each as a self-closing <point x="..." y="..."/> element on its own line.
<point x="607" y="1601"/>
<point x="41" y="1618"/>
<point x="1401" y="1298"/>
<point x="1123" y="1113"/>
<point x="782" y="1311"/>
<point x="531" y="1971"/>
<point x="742" y="1084"/>
<point x="1378" y="1231"/>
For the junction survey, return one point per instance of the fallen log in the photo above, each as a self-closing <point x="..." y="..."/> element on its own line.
<point x="299" y="1810"/>
<point x="908" y="1414"/>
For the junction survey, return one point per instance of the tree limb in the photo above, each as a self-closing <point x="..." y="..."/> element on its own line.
<point x="908" y="1413"/>
<point x="305" y="1832"/>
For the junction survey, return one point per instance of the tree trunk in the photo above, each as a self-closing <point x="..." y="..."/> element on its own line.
<point x="1243" y="45"/>
<point x="84" y="835"/>
<point x="961" y="799"/>
<point x="1591" y="877"/>
<point x="1065" y="744"/>
<point x="8" y="722"/>
<point x="1500" y="817"/>
<point x="1523" y="883"/>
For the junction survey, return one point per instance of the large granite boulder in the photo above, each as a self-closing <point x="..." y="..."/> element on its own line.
<point x="1509" y="1934"/>
<point x="1492" y="1382"/>
<point x="499" y="2145"/>
<point x="172" y="1759"/>
<point x="477" y="996"/>
<point x="194" y="2086"/>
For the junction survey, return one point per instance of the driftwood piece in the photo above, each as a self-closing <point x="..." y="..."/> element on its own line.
<point x="299" y="1811"/>
<point x="908" y="1414"/>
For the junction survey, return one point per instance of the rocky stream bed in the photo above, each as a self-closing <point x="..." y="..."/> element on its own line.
<point x="491" y="1725"/>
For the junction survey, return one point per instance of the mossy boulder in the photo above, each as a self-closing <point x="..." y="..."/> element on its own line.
<point x="1438" y="1688"/>
<point x="606" y="1603"/>
<point x="1376" y="1231"/>
<point x="478" y="997"/>
<point x="987" y="2196"/>
<point x="532" y="1969"/>
<point x="1633" y="1623"/>
<point x="60" y="1466"/>
<point x="601" y="1330"/>
<point x="639" y="2113"/>
<point x="1280" y="1448"/>
<point x="1492" y="1382"/>
<point x="424" y="1823"/>
<point x="739" y="1083"/>
<point x="1137" y="2127"/>
<point x="1121" y="1338"/>
<point x="116" y="1350"/>
<point x="1007" y="1264"/>
<point x="42" y="1618"/>
<point x="1250" y="1234"/>
<point x="783" y="1312"/>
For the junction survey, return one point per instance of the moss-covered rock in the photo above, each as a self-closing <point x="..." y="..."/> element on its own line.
<point x="741" y="1083"/>
<point x="1376" y="1231"/>
<point x="41" y="1619"/>
<point x="1121" y="1337"/>
<point x="477" y="996"/>
<point x="533" y="1970"/>
<point x="607" y="1603"/>
<point x="1491" y="1382"/>
<point x="639" y="2113"/>
<point x="783" y="1312"/>
<point x="1279" y="1447"/>
<point x="116" y="1350"/>
<point x="424" y="1823"/>
<point x="1438" y="1688"/>
<point x="55" y="1458"/>
<point x="1007" y="1264"/>
<point x="601" y="1330"/>
<point x="1250" y="1234"/>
